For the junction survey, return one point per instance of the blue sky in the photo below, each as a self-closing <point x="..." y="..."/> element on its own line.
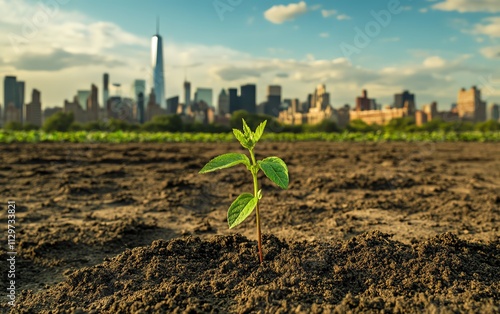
<point x="432" y="48"/>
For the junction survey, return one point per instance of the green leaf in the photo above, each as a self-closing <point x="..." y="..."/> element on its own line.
<point x="276" y="170"/>
<point x="260" y="130"/>
<point x="241" y="138"/>
<point x="240" y="209"/>
<point x="225" y="161"/>
<point x="246" y="128"/>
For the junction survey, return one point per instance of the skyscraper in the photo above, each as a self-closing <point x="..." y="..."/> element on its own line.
<point x="273" y="100"/>
<point x="234" y="100"/>
<point x="204" y="94"/>
<point x="157" y="64"/>
<point x="34" y="109"/>
<point x="223" y="102"/>
<point x="248" y="98"/>
<point x="9" y="94"/>
<point x="401" y="99"/>
<point x="92" y="105"/>
<point x="82" y="96"/>
<point x="105" y="89"/>
<point x="187" y="93"/>
<point x="172" y="104"/>
<point x="139" y="92"/>
<point x="20" y="99"/>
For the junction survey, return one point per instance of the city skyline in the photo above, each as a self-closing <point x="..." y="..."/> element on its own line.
<point x="224" y="46"/>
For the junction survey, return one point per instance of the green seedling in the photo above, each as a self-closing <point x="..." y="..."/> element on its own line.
<point x="273" y="167"/>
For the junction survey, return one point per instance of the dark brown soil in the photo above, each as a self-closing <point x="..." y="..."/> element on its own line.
<point x="391" y="227"/>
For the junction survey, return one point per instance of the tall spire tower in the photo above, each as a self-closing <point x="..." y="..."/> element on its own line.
<point x="157" y="64"/>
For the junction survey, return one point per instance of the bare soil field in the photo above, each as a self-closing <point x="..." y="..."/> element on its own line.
<point x="363" y="227"/>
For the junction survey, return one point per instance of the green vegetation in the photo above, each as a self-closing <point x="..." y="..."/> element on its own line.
<point x="162" y="137"/>
<point x="273" y="167"/>
<point x="61" y="127"/>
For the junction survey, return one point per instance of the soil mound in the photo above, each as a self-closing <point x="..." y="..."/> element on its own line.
<point x="367" y="273"/>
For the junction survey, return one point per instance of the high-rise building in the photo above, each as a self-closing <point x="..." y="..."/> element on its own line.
<point x="105" y="89"/>
<point x="401" y="99"/>
<point x="172" y="104"/>
<point x="20" y="99"/>
<point x="320" y="100"/>
<point x="10" y="99"/>
<point x="34" y="109"/>
<point x="248" y="98"/>
<point x="470" y="106"/>
<point x="74" y="107"/>
<point x="234" y="100"/>
<point x="139" y="90"/>
<point x="82" y="96"/>
<point x="92" y="105"/>
<point x="494" y="112"/>
<point x="272" y="107"/>
<point x="141" y="116"/>
<point x="223" y="103"/>
<point x="365" y="103"/>
<point x="157" y="64"/>
<point x="187" y="93"/>
<point x="204" y="94"/>
<point x="139" y="87"/>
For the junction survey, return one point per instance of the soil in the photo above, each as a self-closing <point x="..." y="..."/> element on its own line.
<point x="363" y="227"/>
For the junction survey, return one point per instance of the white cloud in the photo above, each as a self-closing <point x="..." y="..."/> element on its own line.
<point x="324" y="35"/>
<point x="279" y="14"/>
<point x="463" y="6"/>
<point x="491" y="52"/>
<point x="315" y="7"/>
<point x="423" y="10"/>
<point x="328" y="13"/>
<point x="434" y="62"/>
<point x="342" y="17"/>
<point x="490" y="28"/>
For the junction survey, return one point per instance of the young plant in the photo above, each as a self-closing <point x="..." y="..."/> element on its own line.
<point x="273" y="167"/>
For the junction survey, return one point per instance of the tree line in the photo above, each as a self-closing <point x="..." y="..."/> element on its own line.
<point x="65" y="122"/>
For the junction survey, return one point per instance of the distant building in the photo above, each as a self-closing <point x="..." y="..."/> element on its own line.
<point x="13" y="99"/>
<point x="105" y="89"/>
<point x="187" y="93"/>
<point x="470" y="106"/>
<point x="172" y="105"/>
<point x="320" y="99"/>
<point x="494" y="112"/>
<point x="82" y="96"/>
<point x="34" y="109"/>
<point x="365" y="103"/>
<point x="234" y="100"/>
<point x="429" y="112"/>
<point x="383" y="116"/>
<point x="204" y="94"/>
<point x="79" y="114"/>
<point x="10" y="99"/>
<point x="157" y="65"/>
<point x="319" y="110"/>
<point x="153" y="109"/>
<point x="20" y="99"/>
<point x="400" y="100"/>
<point x="92" y="105"/>
<point x="140" y="115"/>
<point x="248" y="98"/>
<point x="139" y="92"/>
<point x="223" y="103"/>
<point x="272" y="106"/>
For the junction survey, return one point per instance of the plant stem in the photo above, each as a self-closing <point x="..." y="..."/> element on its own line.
<point x="257" y="214"/>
